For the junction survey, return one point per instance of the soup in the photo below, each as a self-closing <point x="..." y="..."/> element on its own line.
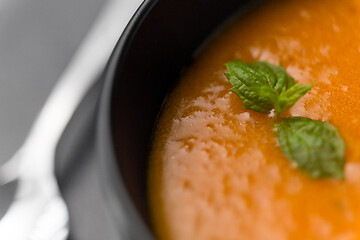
<point x="216" y="170"/>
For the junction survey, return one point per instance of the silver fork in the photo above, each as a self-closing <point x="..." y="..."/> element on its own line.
<point x="38" y="211"/>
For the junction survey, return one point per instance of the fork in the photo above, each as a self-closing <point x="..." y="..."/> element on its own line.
<point x="38" y="211"/>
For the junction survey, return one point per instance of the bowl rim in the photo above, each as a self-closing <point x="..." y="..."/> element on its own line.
<point x="118" y="202"/>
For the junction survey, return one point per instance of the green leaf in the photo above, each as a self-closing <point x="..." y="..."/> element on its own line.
<point x="263" y="86"/>
<point x="248" y="96"/>
<point x="279" y="79"/>
<point x="315" y="147"/>
<point x="289" y="97"/>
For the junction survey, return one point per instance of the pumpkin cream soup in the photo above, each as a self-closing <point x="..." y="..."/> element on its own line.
<point x="217" y="170"/>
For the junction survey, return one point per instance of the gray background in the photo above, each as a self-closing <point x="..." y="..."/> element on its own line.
<point x="37" y="39"/>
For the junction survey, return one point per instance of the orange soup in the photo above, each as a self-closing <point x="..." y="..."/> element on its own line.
<point x="216" y="169"/>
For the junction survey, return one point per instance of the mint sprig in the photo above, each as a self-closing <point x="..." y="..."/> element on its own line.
<point x="315" y="147"/>
<point x="263" y="86"/>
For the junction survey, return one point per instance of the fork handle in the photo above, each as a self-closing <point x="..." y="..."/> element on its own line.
<point x="86" y="65"/>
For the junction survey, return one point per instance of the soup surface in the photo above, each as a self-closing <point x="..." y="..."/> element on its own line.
<point x="216" y="170"/>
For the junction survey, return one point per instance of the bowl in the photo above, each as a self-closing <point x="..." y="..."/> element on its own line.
<point x="162" y="38"/>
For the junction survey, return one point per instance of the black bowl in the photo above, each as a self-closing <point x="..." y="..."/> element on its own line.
<point x="159" y="42"/>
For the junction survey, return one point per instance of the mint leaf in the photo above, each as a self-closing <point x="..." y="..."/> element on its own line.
<point x="289" y="97"/>
<point x="251" y="99"/>
<point x="277" y="76"/>
<point x="263" y="86"/>
<point x="315" y="147"/>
